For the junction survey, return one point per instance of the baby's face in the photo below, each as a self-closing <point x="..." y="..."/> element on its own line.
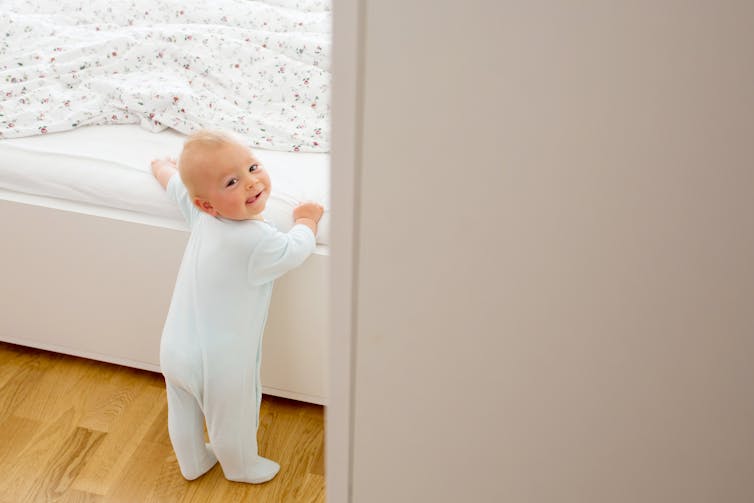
<point x="236" y="186"/>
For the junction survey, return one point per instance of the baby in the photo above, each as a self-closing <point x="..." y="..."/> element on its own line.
<point x="212" y="339"/>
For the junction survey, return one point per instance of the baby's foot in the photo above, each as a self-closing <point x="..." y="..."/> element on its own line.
<point x="261" y="471"/>
<point x="205" y="464"/>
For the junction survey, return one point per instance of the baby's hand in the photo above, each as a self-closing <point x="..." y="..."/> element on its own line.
<point x="308" y="214"/>
<point x="310" y="210"/>
<point x="163" y="169"/>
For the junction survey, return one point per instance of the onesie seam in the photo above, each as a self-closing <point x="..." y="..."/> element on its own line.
<point x="239" y="432"/>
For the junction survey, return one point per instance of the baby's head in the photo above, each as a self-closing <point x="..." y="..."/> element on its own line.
<point x="223" y="177"/>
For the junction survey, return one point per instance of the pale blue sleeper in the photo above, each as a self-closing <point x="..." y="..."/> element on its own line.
<point x="211" y="344"/>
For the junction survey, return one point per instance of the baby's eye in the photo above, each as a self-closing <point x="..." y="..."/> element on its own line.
<point x="253" y="168"/>
<point x="231" y="182"/>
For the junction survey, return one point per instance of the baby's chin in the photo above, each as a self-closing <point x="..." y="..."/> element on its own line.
<point x="244" y="216"/>
<point x="257" y="215"/>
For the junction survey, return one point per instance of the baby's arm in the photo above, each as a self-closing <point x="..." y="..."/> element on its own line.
<point x="163" y="170"/>
<point x="279" y="252"/>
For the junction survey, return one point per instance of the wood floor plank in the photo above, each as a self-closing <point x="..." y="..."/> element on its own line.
<point x="64" y="465"/>
<point x="169" y="486"/>
<point x="141" y="467"/>
<point x="207" y="487"/>
<point x="120" y="443"/>
<point x="74" y="496"/>
<point x="20" y="472"/>
<point x="236" y="492"/>
<point x="103" y="407"/>
<point x="158" y="431"/>
<point x="107" y="394"/>
<point x="17" y="433"/>
<point x="312" y="490"/>
<point x="55" y="389"/>
<point x="21" y="385"/>
<point x="318" y="466"/>
<point x="11" y="356"/>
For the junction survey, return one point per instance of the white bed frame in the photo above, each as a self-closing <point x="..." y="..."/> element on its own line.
<point x="97" y="283"/>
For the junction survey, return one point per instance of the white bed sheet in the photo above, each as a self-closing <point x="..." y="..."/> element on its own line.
<point x="107" y="167"/>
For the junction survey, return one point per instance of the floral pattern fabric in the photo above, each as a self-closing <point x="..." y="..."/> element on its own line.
<point x="259" y="68"/>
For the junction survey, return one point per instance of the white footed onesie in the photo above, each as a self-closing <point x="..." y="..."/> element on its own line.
<point x="211" y="346"/>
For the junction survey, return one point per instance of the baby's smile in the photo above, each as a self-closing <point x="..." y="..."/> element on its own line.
<point x="252" y="199"/>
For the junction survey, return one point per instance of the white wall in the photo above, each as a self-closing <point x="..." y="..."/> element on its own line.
<point x="553" y="270"/>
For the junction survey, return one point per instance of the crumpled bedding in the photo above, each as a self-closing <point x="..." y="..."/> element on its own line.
<point x="259" y="68"/>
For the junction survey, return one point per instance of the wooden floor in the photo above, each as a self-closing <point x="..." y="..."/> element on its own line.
<point x="77" y="430"/>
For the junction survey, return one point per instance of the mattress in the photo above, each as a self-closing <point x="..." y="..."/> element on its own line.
<point x="105" y="170"/>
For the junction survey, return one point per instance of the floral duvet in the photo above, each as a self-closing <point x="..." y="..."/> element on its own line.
<point x="261" y="69"/>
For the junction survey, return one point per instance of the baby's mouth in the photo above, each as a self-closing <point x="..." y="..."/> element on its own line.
<point x="252" y="199"/>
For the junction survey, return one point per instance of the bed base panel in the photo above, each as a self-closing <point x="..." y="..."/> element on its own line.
<point x="98" y="287"/>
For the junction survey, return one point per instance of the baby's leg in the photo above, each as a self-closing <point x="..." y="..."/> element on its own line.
<point x="231" y="410"/>
<point x="186" y="429"/>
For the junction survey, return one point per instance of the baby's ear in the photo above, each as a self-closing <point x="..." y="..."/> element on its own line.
<point x="205" y="206"/>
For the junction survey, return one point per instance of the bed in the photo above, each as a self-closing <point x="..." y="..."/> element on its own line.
<point x="91" y="244"/>
<point x="88" y="268"/>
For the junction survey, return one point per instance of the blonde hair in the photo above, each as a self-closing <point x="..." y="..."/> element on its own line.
<point x="211" y="137"/>
<point x="202" y="140"/>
